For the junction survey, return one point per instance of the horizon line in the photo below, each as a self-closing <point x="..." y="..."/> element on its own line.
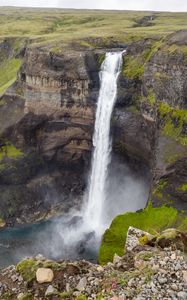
<point x="98" y="9"/>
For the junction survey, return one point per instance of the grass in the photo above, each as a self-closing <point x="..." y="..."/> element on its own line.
<point x="40" y="25"/>
<point x="8" y="73"/>
<point x="59" y="28"/>
<point x="150" y="219"/>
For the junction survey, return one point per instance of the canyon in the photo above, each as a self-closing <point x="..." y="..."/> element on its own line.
<point x="48" y="114"/>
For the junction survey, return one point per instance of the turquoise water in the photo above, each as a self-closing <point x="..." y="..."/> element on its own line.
<point x="44" y="238"/>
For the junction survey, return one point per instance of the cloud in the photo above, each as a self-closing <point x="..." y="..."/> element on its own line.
<point x="166" y="5"/>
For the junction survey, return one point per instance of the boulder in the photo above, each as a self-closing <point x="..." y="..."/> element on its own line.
<point x="44" y="275"/>
<point x="136" y="237"/>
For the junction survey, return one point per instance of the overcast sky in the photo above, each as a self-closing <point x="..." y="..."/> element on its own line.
<point x="167" y="5"/>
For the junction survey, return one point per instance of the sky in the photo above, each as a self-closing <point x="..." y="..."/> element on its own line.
<point x="159" y="5"/>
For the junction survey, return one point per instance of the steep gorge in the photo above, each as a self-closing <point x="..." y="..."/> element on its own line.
<point x="51" y="110"/>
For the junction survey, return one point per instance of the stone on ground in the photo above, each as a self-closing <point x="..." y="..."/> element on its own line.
<point x="44" y="275"/>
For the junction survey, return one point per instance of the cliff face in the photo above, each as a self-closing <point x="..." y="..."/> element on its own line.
<point x="161" y="76"/>
<point x="48" y="118"/>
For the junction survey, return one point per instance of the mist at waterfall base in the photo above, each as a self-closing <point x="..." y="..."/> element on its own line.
<point x="112" y="189"/>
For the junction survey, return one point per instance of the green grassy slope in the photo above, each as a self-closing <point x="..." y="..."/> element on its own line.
<point x="65" y="25"/>
<point x="152" y="220"/>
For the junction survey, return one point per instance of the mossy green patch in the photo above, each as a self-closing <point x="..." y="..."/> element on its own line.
<point x="65" y="295"/>
<point x="174" y="49"/>
<point x="52" y="265"/>
<point x="10" y="151"/>
<point x="27" y="268"/>
<point x="101" y="58"/>
<point x="8" y="72"/>
<point x="174" y="121"/>
<point x="150" y="219"/>
<point x="134" y="66"/>
<point x="182" y="188"/>
<point x="81" y="297"/>
<point x="145" y="255"/>
<point x="151" y="98"/>
<point x="158" y="191"/>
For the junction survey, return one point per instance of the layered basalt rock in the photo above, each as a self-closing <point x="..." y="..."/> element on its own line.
<point x="55" y="126"/>
<point x="51" y="110"/>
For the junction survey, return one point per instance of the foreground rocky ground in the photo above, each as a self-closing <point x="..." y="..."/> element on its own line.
<point x="144" y="272"/>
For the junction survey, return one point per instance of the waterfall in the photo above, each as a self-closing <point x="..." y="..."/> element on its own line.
<point x="96" y="195"/>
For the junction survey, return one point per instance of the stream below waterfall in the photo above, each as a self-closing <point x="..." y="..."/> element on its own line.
<point x="112" y="189"/>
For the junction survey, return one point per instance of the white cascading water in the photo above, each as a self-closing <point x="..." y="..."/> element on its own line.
<point x="93" y="214"/>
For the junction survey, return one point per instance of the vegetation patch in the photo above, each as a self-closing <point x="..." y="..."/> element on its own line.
<point x="27" y="268"/>
<point x="158" y="191"/>
<point x="182" y="188"/>
<point x="134" y="66"/>
<point x="149" y="219"/>
<point x="10" y="151"/>
<point x="8" y="73"/>
<point x="174" y="122"/>
<point x="26" y="297"/>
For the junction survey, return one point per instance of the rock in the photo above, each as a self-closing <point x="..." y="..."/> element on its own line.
<point x="67" y="287"/>
<point x="174" y="287"/>
<point x="155" y="267"/>
<point x="40" y="257"/>
<point x="51" y="291"/>
<point x="82" y="284"/>
<point x="134" y="237"/>
<point x="14" y="278"/>
<point x="100" y="269"/>
<point x="116" y="259"/>
<point x="184" y="276"/>
<point x="44" y="275"/>
<point x="162" y="280"/>
<point x="20" y="295"/>
<point x="182" y="296"/>
<point x="173" y="256"/>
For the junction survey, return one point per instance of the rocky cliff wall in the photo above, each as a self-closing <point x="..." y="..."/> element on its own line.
<point x="46" y="147"/>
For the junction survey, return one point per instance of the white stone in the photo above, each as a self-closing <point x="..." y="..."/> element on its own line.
<point x="82" y="284"/>
<point x="50" y="291"/>
<point x="116" y="259"/>
<point x="100" y="269"/>
<point x="173" y="256"/>
<point x="44" y="275"/>
<point x="184" y="276"/>
<point x="174" y="287"/>
<point x="20" y="296"/>
<point x="182" y="296"/>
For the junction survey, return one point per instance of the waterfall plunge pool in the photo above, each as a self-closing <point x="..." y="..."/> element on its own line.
<point x="112" y="189"/>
